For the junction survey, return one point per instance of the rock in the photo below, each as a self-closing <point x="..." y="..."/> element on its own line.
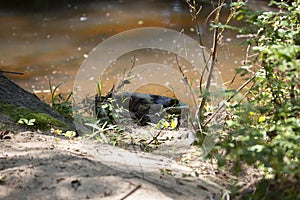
<point x="12" y="94"/>
<point x="143" y="108"/>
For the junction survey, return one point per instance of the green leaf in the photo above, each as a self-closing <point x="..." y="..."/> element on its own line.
<point x="31" y="122"/>
<point x="104" y="106"/>
<point x="23" y="121"/>
<point x="26" y="121"/>
<point x="257" y="148"/>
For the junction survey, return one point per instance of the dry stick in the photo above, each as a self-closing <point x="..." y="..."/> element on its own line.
<point x="246" y="94"/>
<point x="203" y="72"/>
<point x="236" y="73"/>
<point x="190" y="88"/>
<point x="226" y="23"/>
<point x="127" y="76"/>
<point x="229" y="99"/>
<point x="154" y="138"/>
<point x="185" y="79"/>
<point x="131" y="192"/>
<point x="194" y="13"/>
<point x="213" y="59"/>
<point x="233" y="79"/>
<point x="215" y="10"/>
<point x="231" y="14"/>
<point x="10" y="72"/>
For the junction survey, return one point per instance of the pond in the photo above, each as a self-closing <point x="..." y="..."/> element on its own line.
<point x="51" y="44"/>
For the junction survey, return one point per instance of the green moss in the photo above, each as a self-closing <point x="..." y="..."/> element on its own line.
<point x="42" y="121"/>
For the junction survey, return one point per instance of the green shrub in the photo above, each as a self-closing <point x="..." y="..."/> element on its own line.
<point x="264" y="130"/>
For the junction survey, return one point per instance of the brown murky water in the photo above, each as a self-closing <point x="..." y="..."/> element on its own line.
<point x="52" y="44"/>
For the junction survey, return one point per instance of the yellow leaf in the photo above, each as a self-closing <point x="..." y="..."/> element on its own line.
<point x="174" y="123"/>
<point x="261" y="119"/>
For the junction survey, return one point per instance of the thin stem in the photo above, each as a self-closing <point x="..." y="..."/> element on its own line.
<point x="213" y="59"/>
<point x="127" y="75"/>
<point x="186" y="81"/>
<point x="229" y="99"/>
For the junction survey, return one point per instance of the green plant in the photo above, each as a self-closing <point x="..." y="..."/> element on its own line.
<point x="61" y="102"/>
<point x="107" y="110"/>
<point x="170" y="121"/>
<point x="68" y="134"/>
<point x="264" y="127"/>
<point x="99" y="131"/>
<point x="2" y="180"/>
<point x="27" y="122"/>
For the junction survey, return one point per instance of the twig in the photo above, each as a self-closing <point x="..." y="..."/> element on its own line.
<point x="233" y="79"/>
<point x="186" y="81"/>
<point x="229" y="99"/>
<point x="213" y="58"/>
<point x="245" y="61"/>
<point x="11" y="72"/>
<point x="203" y="72"/>
<point x="127" y="76"/>
<point x="246" y="94"/>
<point x="154" y="138"/>
<point x="217" y="36"/>
<point x="131" y="192"/>
<point x="215" y="10"/>
<point x="194" y="13"/>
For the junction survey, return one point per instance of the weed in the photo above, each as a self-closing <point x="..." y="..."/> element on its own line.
<point x="27" y="122"/>
<point x="61" y="102"/>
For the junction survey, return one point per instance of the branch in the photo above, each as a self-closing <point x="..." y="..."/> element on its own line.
<point x="229" y="99"/>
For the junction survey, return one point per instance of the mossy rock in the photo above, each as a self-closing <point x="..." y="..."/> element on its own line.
<point x="42" y="121"/>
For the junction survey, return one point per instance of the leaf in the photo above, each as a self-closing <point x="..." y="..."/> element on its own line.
<point x="262" y="119"/>
<point x="56" y="131"/>
<point x="174" y="123"/>
<point x="70" y="134"/>
<point x="2" y="180"/>
<point x="104" y="106"/>
<point x="257" y="148"/>
<point x="23" y="121"/>
<point x="93" y="126"/>
<point x="31" y="122"/>
<point x="165" y="123"/>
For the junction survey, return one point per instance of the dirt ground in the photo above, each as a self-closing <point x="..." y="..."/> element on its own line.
<point x="39" y="166"/>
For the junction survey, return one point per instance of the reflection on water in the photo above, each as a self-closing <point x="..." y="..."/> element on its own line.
<point x="51" y="45"/>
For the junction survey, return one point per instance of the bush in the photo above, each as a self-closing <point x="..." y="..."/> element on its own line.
<point x="264" y="130"/>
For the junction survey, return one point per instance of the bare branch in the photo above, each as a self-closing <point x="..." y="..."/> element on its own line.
<point x="230" y="98"/>
<point x="127" y="77"/>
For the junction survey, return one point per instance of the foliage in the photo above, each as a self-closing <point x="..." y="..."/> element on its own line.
<point x="32" y="119"/>
<point x="170" y="121"/>
<point x="103" y="126"/>
<point x="101" y="129"/>
<point x="29" y="122"/>
<point x="68" y="134"/>
<point x="61" y="102"/>
<point x="264" y="130"/>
